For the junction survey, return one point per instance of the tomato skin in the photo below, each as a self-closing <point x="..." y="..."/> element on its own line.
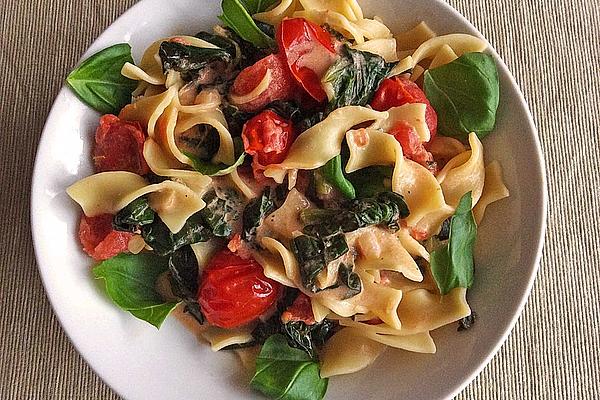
<point x="235" y="291"/>
<point x="300" y="310"/>
<point x="309" y="52"/>
<point x="98" y="238"/>
<point x="396" y="91"/>
<point x="412" y="148"/>
<point x="119" y="146"/>
<point x="283" y="85"/>
<point x="267" y="137"/>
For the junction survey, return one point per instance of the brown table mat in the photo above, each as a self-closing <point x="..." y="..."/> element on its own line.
<point x="552" y="48"/>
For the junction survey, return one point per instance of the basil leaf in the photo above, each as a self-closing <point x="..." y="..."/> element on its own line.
<point x="256" y="6"/>
<point x="98" y="81"/>
<point x="236" y="17"/>
<point x="452" y="264"/>
<point x="130" y="282"/>
<point x="333" y="174"/>
<point x="191" y="61"/>
<point x="255" y="212"/>
<point x="209" y="169"/>
<point x="465" y="94"/>
<point x="135" y="215"/>
<point x="283" y="372"/>
<point x="355" y="77"/>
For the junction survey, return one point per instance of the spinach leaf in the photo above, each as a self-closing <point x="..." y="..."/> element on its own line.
<point x="308" y="251"/>
<point x="222" y="42"/>
<point x="221" y="210"/>
<point x="371" y="181"/>
<point x="183" y="267"/>
<point x="307" y="337"/>
<point x="135" y="215"/>
<point x="236" y="16"/>
<point x="191" y="61"/>
<point x="130" y="281"/>
<point x="158" y="236"/>
<point x="452" y="264"/>
<point x="236" y="119"/>
<point x="355" y="77"/>
<point x="350" y="279"/>
<point x="98" y="81"/>
<point x="283" y="372"/>
<point x="465" y="94"/>
<point x="467" y="322"/>
<point x="333" y="174"/>
<point x="209" y="169"/>
<point x="255" y="212"/>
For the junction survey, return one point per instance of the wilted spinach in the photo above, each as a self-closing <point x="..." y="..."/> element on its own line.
<point x="190" y="61"/>
<point x="158" y="236"/>
<point x="467" y="322"/>
<point x="355" y="77"/>
<point x="183" y="268"/>
<point x="255" y="212"/>
<point x="370" y="181"/>
<point x="334" y="175"/>
<point x="307" y="337"/>
<point x="350" y="279"/>
<point x="221" y="210"/>
<point x="135" y="215"/>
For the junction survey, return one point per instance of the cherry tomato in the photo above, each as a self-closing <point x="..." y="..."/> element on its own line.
<point x="119" y="146"/>
<point x="309" y="52"/>
<point x="267" y="137"/>
<point x="412" y="147"/>
<point x="282" y="87"/>
<point x="300" y="310"/>
<point x="234" y="291"/>
<point x="396" y="91"/>
<point x="99" y="240"/>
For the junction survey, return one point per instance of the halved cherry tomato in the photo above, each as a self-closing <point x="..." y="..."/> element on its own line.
<point x="98" y="238"/>
<point x="282" y="87"/>
<point x="119" y="146"/>
<point x="309" y="52"/>
<point x="396" y="91"/>
<point x="267" y="137"/>
<point x="300" y="310"/>
<point x="412" y="147"/>
<point x="234" y="291"/>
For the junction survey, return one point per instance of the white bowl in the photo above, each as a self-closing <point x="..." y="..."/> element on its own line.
<point x="140" y="362"/>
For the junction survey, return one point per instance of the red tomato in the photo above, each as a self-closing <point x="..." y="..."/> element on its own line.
<point x="100" y="241"/>
<point x="300" y="310"/>
<point x="396" y="91"/>
<point x="412" y="147"/>
<point x="282" y="87"/>
<point x="234" y="291"/>
<point x="267" y="137"/>
<point x="309" y="52"/>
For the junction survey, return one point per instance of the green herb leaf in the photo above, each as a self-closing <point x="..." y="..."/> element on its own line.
<point x="283" y="372"/>
<point x="255" y="212"/>
<point x="209" y="169"/>
<point x="465" y="94"/>
<point x="98" y="81"/>
<point x="221" y="210"/>
<point x="371" y="181"/>
<point x="135" y="215"/>
<point x="158" y="236"/>
<point x="452" y="264"/>
<point x="183" y="268"/>
<point x="256" y="6"/>
<point x="130" y="282"/>
<point x="190" y="61"/>
<point x="307" y="337"/>
<point x="355" y="77"/>
<point x="333" y="174"/>
<point x="236" y="16"/>
<point x="308" y="251"/>
<point x="350" y="279"/>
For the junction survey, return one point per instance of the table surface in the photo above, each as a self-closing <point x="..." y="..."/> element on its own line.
<point x="552" y="49"/>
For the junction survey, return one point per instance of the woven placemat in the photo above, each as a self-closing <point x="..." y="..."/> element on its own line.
<point x="552" y="49"/>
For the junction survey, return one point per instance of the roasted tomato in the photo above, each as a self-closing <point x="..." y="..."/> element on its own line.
<point x="282" y="85"/>
<point x="99" y="239"/>
<point x="119" y="146"/>
<point x="267" y="138"/>
<point x="412" y="147"/>
<point x="309" y="52"/>
<point x="396" y="91"/>
<point x="300" y="310"/>
<point x="234" y="291"/>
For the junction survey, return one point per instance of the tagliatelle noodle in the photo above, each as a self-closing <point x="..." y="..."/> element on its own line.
<point x="347" y="351"/>
<point x="242" y="186"/>
<point x="320" y="143"/>
<point x="220" y="338"/>
<point x="417" y="72"/>
<point x="415" y="183"/>
<point x="464" y="173"/>
<point x="275" y="15"/>
<point x="110" y="192"/>
<point x="336" y="20"/>
<point x="493" y="190"/>
<point x="412" y="245"/>
<point x="413" y="114"/>
<point x="385" y="48"/>
<point x="347" y="8"/>
<point x="444" y="56"/>
<point x="414" y="37"/>
<point x="148" y="110"/>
